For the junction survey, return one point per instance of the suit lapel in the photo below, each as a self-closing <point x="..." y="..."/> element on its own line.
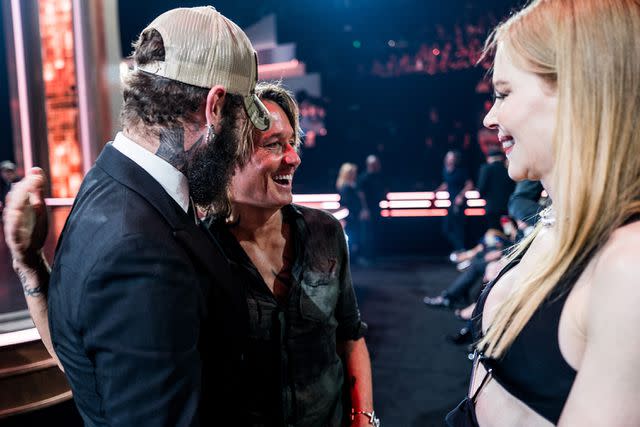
<point x="201" y="246"/>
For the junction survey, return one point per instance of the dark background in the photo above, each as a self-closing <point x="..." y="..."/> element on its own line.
<point x="365" y="114"/>
<point x="417" y="376"/>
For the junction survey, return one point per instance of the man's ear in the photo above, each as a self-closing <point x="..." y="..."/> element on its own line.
<point x="215" y="102"/>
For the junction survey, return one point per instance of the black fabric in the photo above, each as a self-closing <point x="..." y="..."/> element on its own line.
<point x="294" y="374"/>
<point x="495" y="187"/>
<point x="5" y="187"/>
<point x="372" y="185"/>
<point x="463" y="415"/>
<point x="455" y="180"/>
<point x="453" y="226"/>
<point x="130" y="285"/>
<point x="458" y="290"/>
<point x="453" y="223"/>
<point x="533" y="368"/>
<point x="349" y="198"/>
<point x="523" y="202"/>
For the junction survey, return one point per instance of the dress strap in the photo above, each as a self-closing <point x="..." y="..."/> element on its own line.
<point x="477" y="360"/>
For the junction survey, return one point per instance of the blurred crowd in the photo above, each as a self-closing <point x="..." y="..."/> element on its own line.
<point x="451" y="49"/>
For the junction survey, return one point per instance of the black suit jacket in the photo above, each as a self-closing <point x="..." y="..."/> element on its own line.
<point x="133" y="285"/>
<point x="495" y="186"/>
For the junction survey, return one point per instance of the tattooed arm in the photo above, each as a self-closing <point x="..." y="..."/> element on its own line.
<point x="359" y="379"/>
<point x="34" y="279"/>
<point x="25" y="230"/>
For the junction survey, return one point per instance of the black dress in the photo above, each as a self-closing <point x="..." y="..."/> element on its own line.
<point x="533" y="369"/>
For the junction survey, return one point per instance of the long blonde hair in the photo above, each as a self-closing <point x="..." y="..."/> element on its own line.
<point x="343" y="175"/>
<point x="589" y="51"/>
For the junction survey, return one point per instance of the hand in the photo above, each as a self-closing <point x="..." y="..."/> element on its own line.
<point x="459" y="200"/>
<point x="25" y="219"/>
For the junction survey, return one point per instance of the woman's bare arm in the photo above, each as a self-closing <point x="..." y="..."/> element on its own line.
<point x="607" y="386"/>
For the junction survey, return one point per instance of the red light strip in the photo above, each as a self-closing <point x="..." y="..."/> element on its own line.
<point x="474" y="212"/>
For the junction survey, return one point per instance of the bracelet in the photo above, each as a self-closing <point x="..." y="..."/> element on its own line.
<point x="373" y="419"/>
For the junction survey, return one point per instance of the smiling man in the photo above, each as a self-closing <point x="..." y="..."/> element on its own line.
<point x="282" y="362"/>
<point x="293" y="266"/>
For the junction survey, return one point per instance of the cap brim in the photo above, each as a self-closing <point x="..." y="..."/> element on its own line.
<point x="257" y="112"/>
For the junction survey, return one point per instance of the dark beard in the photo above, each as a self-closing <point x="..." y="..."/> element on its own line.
<point x="210" y="168"/>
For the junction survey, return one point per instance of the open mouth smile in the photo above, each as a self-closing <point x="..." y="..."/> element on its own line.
<point x="507" y="143"/>
<point x="284" y="180"/>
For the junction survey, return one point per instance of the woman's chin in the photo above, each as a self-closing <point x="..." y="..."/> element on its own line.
<point x="516" y="173"/>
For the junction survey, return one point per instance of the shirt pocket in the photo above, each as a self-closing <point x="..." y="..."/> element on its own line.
<point x="318" y="296"/>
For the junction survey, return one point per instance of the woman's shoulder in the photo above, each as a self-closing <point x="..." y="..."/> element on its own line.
<point x="615" y="294"/>
<point x="619" y="256"/>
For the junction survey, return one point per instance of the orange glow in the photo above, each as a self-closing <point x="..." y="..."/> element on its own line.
<point x="413" y="212"/>
<point x="474" y="212"/>
<point x="61" y="97"/>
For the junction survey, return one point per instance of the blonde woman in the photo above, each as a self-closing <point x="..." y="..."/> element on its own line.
<point x="353" y="199"/>
<point x="557" y="331"/>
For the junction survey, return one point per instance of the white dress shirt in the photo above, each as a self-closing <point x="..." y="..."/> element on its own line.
<point x="170" y="178"/>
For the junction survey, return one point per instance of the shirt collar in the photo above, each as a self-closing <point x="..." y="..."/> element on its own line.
<point x="169" y="178"/>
